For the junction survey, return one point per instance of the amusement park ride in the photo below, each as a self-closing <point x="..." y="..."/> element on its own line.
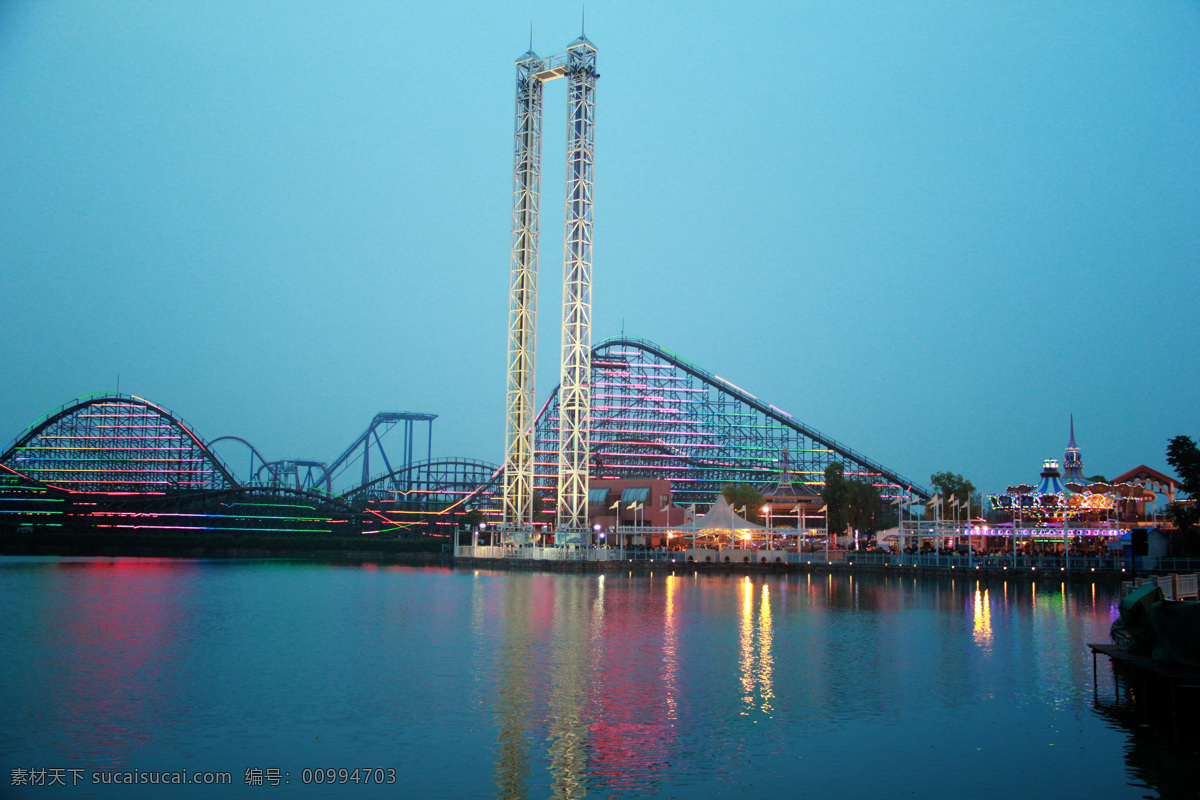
<point x="624" y="409"/>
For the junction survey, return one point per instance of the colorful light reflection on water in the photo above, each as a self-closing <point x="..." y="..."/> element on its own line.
<point x="516" y="685"/>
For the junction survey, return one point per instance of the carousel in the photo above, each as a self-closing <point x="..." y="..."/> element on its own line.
<point x="1053" y="511"/>
<point x="1052" y="500"/>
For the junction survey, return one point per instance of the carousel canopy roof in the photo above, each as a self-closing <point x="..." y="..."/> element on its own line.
<point x="1051" y="485"/>
<point x="1051" y="479"/>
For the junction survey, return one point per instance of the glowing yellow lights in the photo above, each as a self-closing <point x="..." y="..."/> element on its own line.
<point x="983" y="620"/>
<point x="756" y="657"/>
<point x="740" y="389"/>
<point x="746" y="645"/>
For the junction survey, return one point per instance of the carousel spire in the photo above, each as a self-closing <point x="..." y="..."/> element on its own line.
<point x="1072" y="460"/>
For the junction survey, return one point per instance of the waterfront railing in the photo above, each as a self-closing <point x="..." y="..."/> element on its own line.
<point x="764" y="557"/>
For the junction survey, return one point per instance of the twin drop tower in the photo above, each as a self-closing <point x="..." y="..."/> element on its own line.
<point x="578" y="66"/>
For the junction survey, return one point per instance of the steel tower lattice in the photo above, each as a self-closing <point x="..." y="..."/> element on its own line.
<point x="578" y="64"/>
<point x="575" y="397"/>
<point x="522" y="296"/>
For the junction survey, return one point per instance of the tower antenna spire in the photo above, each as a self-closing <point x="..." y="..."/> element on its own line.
<point x="583" y="21"/>
<point x="531" y="36"/>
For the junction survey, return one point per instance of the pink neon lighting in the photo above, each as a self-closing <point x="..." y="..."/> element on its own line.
<point x="640" y="408"/>
<point x="105" y="438"/>
<point x="643" y="419"/>
<point x="90" y="481"/>
<point x="621" y="384"/>
<point x="137" y="427"/>
<point x="654" y="398"/>
<point x="715" y="465"/>
<point x="118" y="416"/>
<point x="123" y="471"/>
<point x="644" y="455"/>
<point x="70" y="449"/>
<point x="655" y="388"/>
<point x="607" y="429"/>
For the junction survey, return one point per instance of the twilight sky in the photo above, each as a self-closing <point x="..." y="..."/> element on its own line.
<point x="929" y="230"/>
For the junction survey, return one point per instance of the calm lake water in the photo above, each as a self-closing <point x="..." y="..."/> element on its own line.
<point x="514" y="685"/>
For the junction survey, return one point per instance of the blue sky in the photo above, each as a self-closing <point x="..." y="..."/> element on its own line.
<point x="929" y="230"/>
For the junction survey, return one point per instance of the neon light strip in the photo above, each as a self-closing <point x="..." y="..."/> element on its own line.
<point x="217" y="528"/>
<point x="671" y="389"/>
<point x="716" y="468"/>
<point x="607" y="429"/>
<point x="627" y="364"/>
<point x="136" y="427"/>
<point x="156" y="515"/>
<point x="643" y="419"/>
<point x="63" y="453"/>
<point x="612" y="373"/>
<point x="638" y="386"/>
<point x="645" y="455"/>
<point x="145" y="483"/>
<point x="113" y="460"/>
<point x="190" y="472"/>
<point x="93" y="437"/>
<point x="272" y="505"/>
<point x="115" y="416"/>
<point x="740" y="389"/>
<point x="655" y="398"/>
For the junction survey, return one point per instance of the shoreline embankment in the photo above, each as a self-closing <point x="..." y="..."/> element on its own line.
<point x="1103" y="577"/>
<point x="363" y="553"/>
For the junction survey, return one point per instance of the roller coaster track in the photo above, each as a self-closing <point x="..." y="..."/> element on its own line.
<point x="769" y="412"/>
<point x="434" y="475"/>
<point x="73" y="441"/>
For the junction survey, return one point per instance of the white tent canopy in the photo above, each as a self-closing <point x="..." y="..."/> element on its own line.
<point x="720" y="519"/>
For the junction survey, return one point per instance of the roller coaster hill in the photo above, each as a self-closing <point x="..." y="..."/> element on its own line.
<point x="120" y="463"/>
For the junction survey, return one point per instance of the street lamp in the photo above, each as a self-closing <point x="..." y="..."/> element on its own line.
<point x="595" y="532"/>
<point x="800" y="530"/>
<point x="767" y="511"/>
<point x="825" y="508"/>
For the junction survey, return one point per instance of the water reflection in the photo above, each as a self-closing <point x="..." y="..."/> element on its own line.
<point x="579" y="671"/>
<point x="1159" y="753"/>
<point x="671" y="648"/>
<point x="513" y="694"/>
<point x="119" y="638"/>
<point x="756" y="661"/>
<point x="635" y="700"/>
<point x="983" y="619"/>
<point x="525" y="685"/>
<point x="746" y="642"/>
<point x="572" y="675"/>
